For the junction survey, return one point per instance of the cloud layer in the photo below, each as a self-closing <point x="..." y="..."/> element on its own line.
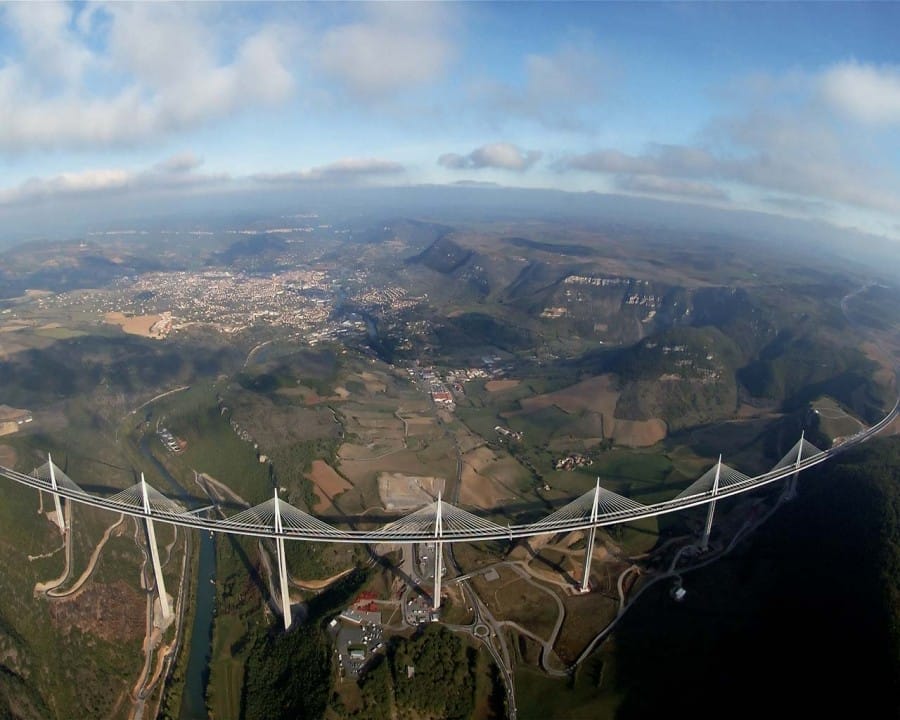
<point x="869" y="94"/>
<point x="162" y="68"/>
<point x="180" y="172"/>
<point x="176" y="173"/>
<point x="395" y="47"/>
<point x="501" y="155"/>
<point x="656" y="185"/>
<point x="347" y="170"/>
<point x="557" y="88"/>
<point x="812" y="137"/>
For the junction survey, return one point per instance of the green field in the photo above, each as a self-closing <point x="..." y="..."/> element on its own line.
<point x="213" y="447"/>
<point x="226" y="670"/>
<point x="539" y="697"/>
<point x="60" y="333"/>
<point x="833" y="419"/>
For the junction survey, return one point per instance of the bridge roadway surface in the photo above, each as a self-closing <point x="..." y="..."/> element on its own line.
<point x="424" y="530"/>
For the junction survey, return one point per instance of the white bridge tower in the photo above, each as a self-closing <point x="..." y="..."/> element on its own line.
<point x="60" y="520"/>
<point x="154" y="554"/>
<point x="282" y="567"/>
<point x="592" y="534"/>
<point x="704" y="543"/>
<point x="438" y="554"/>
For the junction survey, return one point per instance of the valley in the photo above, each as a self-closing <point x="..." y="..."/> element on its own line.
<point x="363" y="371"/>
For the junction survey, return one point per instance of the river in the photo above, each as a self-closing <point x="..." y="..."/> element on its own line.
<point x="193" y="700"/>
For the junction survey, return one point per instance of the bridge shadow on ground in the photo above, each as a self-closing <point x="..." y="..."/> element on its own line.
<point x="256" y="578"/>
<point x="556" y="567"/>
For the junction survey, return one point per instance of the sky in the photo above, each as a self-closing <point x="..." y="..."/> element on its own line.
<point x="785" y="108"/>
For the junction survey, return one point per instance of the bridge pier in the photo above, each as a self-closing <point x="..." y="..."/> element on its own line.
<point x="438" y="571"/>
<point x="592" y="535"/>
<point x="282" y="568"/>
<point x="154" y="554"/>
<point x="704" y="543"/>
<point x="57" y="505"/>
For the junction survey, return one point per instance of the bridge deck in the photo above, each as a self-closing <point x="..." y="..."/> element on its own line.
<point x="457" y="525"/>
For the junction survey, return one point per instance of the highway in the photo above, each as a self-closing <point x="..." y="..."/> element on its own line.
<point x="458" y="525"/>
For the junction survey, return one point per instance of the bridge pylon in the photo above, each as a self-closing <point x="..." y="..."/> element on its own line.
<point x="438" y="555"/>
<point x="57" y="505"/>
<point x="282" y="566"/>
<point x="707" y="529"/>
<point x="154" y="554"/>
<point x="592" y="534"/>
<point x="790" y="489"/>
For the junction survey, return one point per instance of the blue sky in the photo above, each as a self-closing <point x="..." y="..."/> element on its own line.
<point x="785" y="108"/>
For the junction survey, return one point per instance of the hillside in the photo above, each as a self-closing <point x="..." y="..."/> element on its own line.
<point x="816" y="623"/>
<point x="798" y="620"/>
<point x="773" y="342"/>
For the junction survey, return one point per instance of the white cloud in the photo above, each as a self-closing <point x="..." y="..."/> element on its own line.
<point x="658" y="160"/>
<point x="556" y="90"/>
<point x="67" y="184"/>
<point x="803" y="153"/>
<point x="608" y="161"/>
<point x="799" y="205"/>
<point x="574" y="72"/>
<point x="656" y="185"/>
<point x="778" y="137"/>
<point x="346" y="170"/>
<point x="399" y="46"/>
<point x="176" y="172"/>
<point x="179" y="173"/>
<point x="784" y="136"/>
<point x="504" y="156"/>
<point x="867" y="93"/>
<point x="180" y="163"/>
<point x="163" y="68"/>
<point x="52" y="53"/>
<point x="477" y="183"/>
<point x="176" y="58"/>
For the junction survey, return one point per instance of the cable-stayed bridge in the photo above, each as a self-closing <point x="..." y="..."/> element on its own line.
<point x="437" y="522"/>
